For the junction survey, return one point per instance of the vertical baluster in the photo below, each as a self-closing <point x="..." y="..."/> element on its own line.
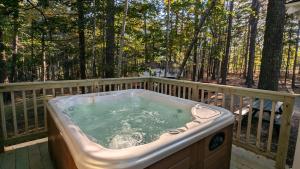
<point x="216" y="99"/>
<point x="223" y="99"/>
<point x="78" y="89"/>
<point x="170" y="89"/>
<point x="3" y="119"/>
<point x="71" y="90"/>
<point x="249" y="120"/>
<point x="145" y="85"/>
<point x="189" y="93"/>
<point x="166" y="88"/>
<point x="131" y="86"/>
<point x="179" y="91"/>
<point x="261" y="111"/>
<point x="231" y="102"/>
<point x="184" y="90"/>
<point x="62" y="91"/>
<point x="239" y="127"/>
<point x="86" y="90"/>
<point x="35" y="110"/>
<point x="53" y="92"/>
<point x="45" y="108"/>
<point x="25" y="110"/>
<point x="121" y="86"/>
<point x="202" y="95"/>
<point x="126" y="86"/>
<point x="13" y="106"/>
<point x="271" y="126"/>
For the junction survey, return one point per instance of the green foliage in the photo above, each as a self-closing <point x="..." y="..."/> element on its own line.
<point x="145" y="35"/>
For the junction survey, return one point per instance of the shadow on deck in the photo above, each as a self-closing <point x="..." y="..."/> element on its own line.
<point x="35" y="155"/>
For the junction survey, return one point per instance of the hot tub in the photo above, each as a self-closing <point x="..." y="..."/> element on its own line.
<point x="135" y="129"/>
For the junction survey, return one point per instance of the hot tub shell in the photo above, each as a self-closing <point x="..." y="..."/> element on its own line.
<point x="70" y="148"/>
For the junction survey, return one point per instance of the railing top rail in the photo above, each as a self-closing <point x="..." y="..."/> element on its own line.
<point x="63" y="83"/>
<point x="273" y="95"/>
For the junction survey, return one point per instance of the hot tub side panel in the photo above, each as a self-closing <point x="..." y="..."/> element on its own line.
<point x="199" y="155"/>
<point x="58" y="149"/>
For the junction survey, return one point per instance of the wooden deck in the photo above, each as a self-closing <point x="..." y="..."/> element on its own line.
<point x="37" y="157"/>
<point x="29" y="157"/>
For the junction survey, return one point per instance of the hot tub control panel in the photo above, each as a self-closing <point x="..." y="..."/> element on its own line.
<point x="216" y="141"/>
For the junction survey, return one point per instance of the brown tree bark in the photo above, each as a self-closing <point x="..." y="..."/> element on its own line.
<point x="168" y="57"/>
<point x="94" y="67"/>
<point x="224" y="66"/>
<point x="272" y="50"/>
<point x="246" y="51"/>
<point x="289" y="56"/>
<point x="13" y="70"/>
<point x="3" y="61"/>
<point x="195" y="60"/>
<point x="81" y="25"/>
<point x="253" y="32"/>
<point x="195" y="38"/>
<point x="122" y="39"/>
<point x="110" y="39"/>
<point x="296" y="57"/>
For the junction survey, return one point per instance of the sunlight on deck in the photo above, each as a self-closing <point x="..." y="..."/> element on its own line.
<point x="34" y="155"/>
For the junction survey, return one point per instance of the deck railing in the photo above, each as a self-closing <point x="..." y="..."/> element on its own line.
<point x="23" y="115"/>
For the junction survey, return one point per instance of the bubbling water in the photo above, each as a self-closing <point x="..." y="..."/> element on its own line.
<point x="128" y="120"/>
<point x="127" y="137"/>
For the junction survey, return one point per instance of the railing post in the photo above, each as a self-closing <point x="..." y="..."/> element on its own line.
<point x="296" y="163"/>
<point x="150" y="85"/>
<point x="284" y="135"/>
<point x="195" y="93"/>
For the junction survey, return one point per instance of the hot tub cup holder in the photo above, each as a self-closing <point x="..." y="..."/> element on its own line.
<point x="196" y="111"/>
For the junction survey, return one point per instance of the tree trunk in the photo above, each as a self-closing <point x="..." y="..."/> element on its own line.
<point x="195" y="60"/>
<point x="110" y="39"/>
<point x="246" y="51"/>
<point x="146" y="53"/>
<point x="33" y="66"/>
<point x="253" y="32"/>
<point x="296" y="57"/>
<point x="14" y="42"/>
<point x="195" y="38"/>
<point x="94" y="69"/>
<point x="3" y="62"/>
<point x="289" y="56"/>
<point x="201" y="71"/>
<point x="44" y="66"/>
<point x="168" y="39"/>
<point x="81" y="28"/>
<point x="122" y="39"/>
<point x="227" y="51"/>
<point x="272" y="50"/>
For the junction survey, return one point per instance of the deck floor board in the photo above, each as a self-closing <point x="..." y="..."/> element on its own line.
<point x="35" y="160"/>
<point x="22" y="159"/>
<point x="37" y="157"/>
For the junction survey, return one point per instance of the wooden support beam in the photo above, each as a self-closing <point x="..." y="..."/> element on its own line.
<point x="283" y="142"/>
